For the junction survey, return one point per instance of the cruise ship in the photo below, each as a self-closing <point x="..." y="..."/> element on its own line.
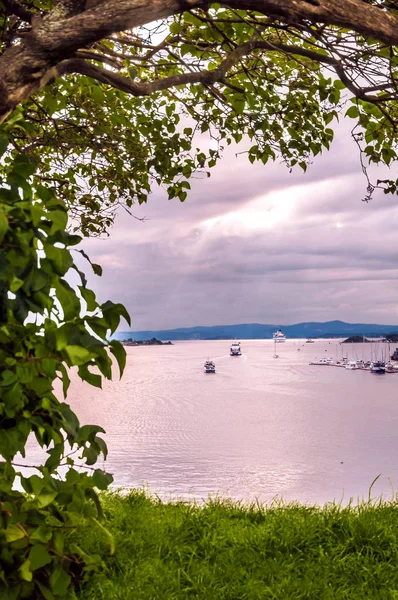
<point x="279" y="337"/>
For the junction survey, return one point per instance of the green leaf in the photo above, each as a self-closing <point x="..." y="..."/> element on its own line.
<point x="39" y="557"/>
<point x="101" y="479"/>
<point x="96" y="268"/>
<point x="26" y="573"/>
<point x="175" y="28"/>
<point x="352" y="112"/>
<point x="119" y="352"/>
<point x="78" y="355"/>
<point x="42" y="534"/>
<point x="91" y="378"/>
<point x="60" y="259"/>
<point x="45" y="499"/>
<point x="59" y="220"/>
<point x="64" y="377"/>
<point x="112" y="313"/>
<point x="89" y="297"/>
<point x="88" y="432"/>
<point x="3" y="225"/>
<point x="13" y="533"/>
<point x="45" y="592"/>
<point x="59" y="581"/>
<point x="238" y="105"/>
<point x="70" y="303"/>
<point x="90" y="454"/>
<point x="3" y="144"/>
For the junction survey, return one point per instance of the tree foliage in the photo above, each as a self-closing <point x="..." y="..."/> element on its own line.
<point x="98" y="102"/>
<point x="36" y="252"/>
<point x="115" y="93"/>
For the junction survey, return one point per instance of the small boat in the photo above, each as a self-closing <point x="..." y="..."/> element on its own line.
<point x="390" y="368"/>
<point x="322" y="361"/>
<point x="309" y="341"/>
<point x="378" y="367"/>
<point x="340" y="362"/>
<point x="235" y="349"/>
<point x="209" y="366"/>
<point x="355" y="364"/>
<point x="279" y="337"/>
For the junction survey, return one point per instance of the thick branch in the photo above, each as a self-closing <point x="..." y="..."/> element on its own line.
<point x="28" y="67"/>
<point x="370" y="21"/>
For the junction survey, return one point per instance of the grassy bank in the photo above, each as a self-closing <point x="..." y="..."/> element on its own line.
<point x="227" y="551"/>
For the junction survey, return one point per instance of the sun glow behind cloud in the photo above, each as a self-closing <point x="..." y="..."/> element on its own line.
<point x="266" y="212"/>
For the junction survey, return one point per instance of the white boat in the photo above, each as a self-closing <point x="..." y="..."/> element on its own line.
<point x="235" y="349"/>
<point x="279" y="337"/>
<point x="209" y="366"/>
<point x="322" y="361"/>
<point x="378" y="367"/>
<point x="352" y="365"/>
<point x="309" y="341"/>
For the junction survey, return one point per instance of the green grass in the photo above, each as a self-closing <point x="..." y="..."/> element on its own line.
<point x="227" y="551"/>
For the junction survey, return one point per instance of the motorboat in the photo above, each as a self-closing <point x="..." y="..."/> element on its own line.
<point x="378" y="367"/>
<point x="279" y="337"/>
<point x="209" y="366"/>
<point x="352" y="365"/>
<point x="309" y="341"/>
<point x="322" y="361"/>
<point x="235" y="349"/>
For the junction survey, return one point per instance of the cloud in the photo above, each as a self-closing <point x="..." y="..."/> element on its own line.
<point x="254" y="243"/>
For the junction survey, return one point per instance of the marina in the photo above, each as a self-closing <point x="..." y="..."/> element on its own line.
<point x="388" y="363"/>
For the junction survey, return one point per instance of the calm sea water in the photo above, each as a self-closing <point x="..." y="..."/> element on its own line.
<point x="259" y="428"/>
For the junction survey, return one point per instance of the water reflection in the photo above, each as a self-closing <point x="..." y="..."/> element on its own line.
<point x="259" y="428"/>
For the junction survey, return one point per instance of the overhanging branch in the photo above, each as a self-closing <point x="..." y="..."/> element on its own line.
<point x="206" y="77"/>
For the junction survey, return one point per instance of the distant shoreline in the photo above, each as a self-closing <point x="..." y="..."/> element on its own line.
<point x="151" y="342"/>
<point x="313" y="329"/>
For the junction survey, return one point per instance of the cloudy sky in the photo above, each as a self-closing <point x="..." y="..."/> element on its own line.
<point x="254" y="243"/>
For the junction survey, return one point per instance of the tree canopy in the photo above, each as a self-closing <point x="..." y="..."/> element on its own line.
<point x="99" y="100"/>
<point x="113" y="91"/>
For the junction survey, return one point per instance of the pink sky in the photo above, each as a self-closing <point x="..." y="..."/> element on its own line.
<point x="253" y="243"/>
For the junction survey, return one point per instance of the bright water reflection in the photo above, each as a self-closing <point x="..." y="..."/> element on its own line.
<point x="259" y="428"/>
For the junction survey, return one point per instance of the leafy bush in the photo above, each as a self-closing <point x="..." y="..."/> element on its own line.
<point x="46" y="327"/>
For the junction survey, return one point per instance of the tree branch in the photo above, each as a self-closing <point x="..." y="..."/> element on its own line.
<point x="205" y="76"/>
<point x="27" y="67"/>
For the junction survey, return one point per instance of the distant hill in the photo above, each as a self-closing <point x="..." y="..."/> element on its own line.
<point x="356" y="339"/>
<point x="260" y="331"/>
